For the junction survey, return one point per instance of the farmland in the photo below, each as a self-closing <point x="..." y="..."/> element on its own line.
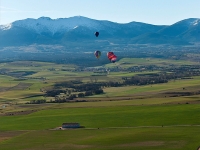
<point x="151" y="116"/>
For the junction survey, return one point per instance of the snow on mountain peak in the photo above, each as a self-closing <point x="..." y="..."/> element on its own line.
<point x="75" y="27"/>
<point x="5" y="27"/>
<point x="46" y="24"/>
<point x="196" y="22"/>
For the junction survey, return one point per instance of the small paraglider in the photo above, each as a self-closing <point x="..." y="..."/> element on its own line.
<point x="96" y="34"/>
<point x="97" y="54"/>
<point x="112" y="57"/>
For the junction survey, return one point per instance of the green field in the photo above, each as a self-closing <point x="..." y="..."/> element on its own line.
<point x="106" y="127"/>
<point x="124" y="118"/>
<point x="127" y="62"/>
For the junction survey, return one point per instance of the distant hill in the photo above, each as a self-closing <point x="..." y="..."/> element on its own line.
<point x="80" y="29"/>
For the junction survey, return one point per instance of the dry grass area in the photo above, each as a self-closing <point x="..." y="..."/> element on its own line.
<point x="173" y="144"/>
<point x="26" y="112"/>
<point x="21" y="86"/>
<point x="3" y="89"/>
<point x="9" y="134"/>
<point x="146" y="143"/>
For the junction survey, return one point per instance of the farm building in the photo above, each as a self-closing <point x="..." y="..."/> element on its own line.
<point x="70" y="125"/>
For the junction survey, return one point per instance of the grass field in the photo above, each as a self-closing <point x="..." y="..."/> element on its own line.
<point x="128" y="62"/>
<point x="106" y="127"/>
<point x="124" y="118"/>
<point x="106" y="116"/>
<point x="128" y="139"/>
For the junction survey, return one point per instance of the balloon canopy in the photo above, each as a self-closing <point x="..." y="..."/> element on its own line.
<point x="112" y="57"/>
<point x="96" y="34"/>
<point x="97" y="54"/>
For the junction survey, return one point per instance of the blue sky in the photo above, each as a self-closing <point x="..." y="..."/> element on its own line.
<point x="159" y="12"/>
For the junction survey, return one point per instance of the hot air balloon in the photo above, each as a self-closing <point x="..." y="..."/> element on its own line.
<point x="97" y="54"/>
<point x="112" y="57"/>
<point x="96" y="34"/>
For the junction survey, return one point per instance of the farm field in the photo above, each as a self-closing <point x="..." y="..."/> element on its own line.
<point x="107" y="126"/>
<point x="153" y="117"/>
<point x="127" y="62"/>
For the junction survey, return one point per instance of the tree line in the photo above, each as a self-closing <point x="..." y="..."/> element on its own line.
<point x="77" y="88"/>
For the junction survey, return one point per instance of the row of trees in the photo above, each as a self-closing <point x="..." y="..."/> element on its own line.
<point x="138" y="80"/>
<point x="37" y="101"/>
<point x="63" y="99"/>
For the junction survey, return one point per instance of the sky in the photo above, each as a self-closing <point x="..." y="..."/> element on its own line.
<point x="158" y="12"/>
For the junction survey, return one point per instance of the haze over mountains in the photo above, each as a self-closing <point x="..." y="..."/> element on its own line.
<point x="78" y="29"/>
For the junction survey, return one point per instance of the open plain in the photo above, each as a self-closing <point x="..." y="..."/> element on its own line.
<point x="150" y="116"/>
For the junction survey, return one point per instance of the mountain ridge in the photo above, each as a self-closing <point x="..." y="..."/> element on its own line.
<point x="45" y="30"/>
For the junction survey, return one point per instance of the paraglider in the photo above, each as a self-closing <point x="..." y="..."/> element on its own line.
<point x="96" y="34"/>
<point x="112" y="57"/>
<point x="97" y="54"/>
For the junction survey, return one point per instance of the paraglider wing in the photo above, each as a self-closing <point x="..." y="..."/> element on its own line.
<point x="97" y="54"/>
<point x="109" y="54"/>
<point x="112" y="57"/>
<point x="96" y="34"/>
<point x="113" y="60"/>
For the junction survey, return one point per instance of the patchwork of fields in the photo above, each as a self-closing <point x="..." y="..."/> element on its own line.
<point x="156" y="116"/>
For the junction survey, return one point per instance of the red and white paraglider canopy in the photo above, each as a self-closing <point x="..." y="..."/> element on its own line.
<point x="112" y="57"/>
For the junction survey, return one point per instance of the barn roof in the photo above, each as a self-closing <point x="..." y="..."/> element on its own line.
<point x="70" y="123"/>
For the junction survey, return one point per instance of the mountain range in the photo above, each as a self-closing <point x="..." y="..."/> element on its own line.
<point x="79" y="29"/>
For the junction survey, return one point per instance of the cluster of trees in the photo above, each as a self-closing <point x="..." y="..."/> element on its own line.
<point x="63" y="99"/>
<point x="78" y="86"/>
<point x="54" y="92"/>
<point x="176" y="94"/>
<point x="176" y="73"/>
<point x="185" y="70"/>
<point x="144" y="80"/>
<point x="37" y="101"/>
<point x="88" y="89"/>
<point x="89" y="93"/>
<point x="59" y="99"/>
<point x="66" y="91"/>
